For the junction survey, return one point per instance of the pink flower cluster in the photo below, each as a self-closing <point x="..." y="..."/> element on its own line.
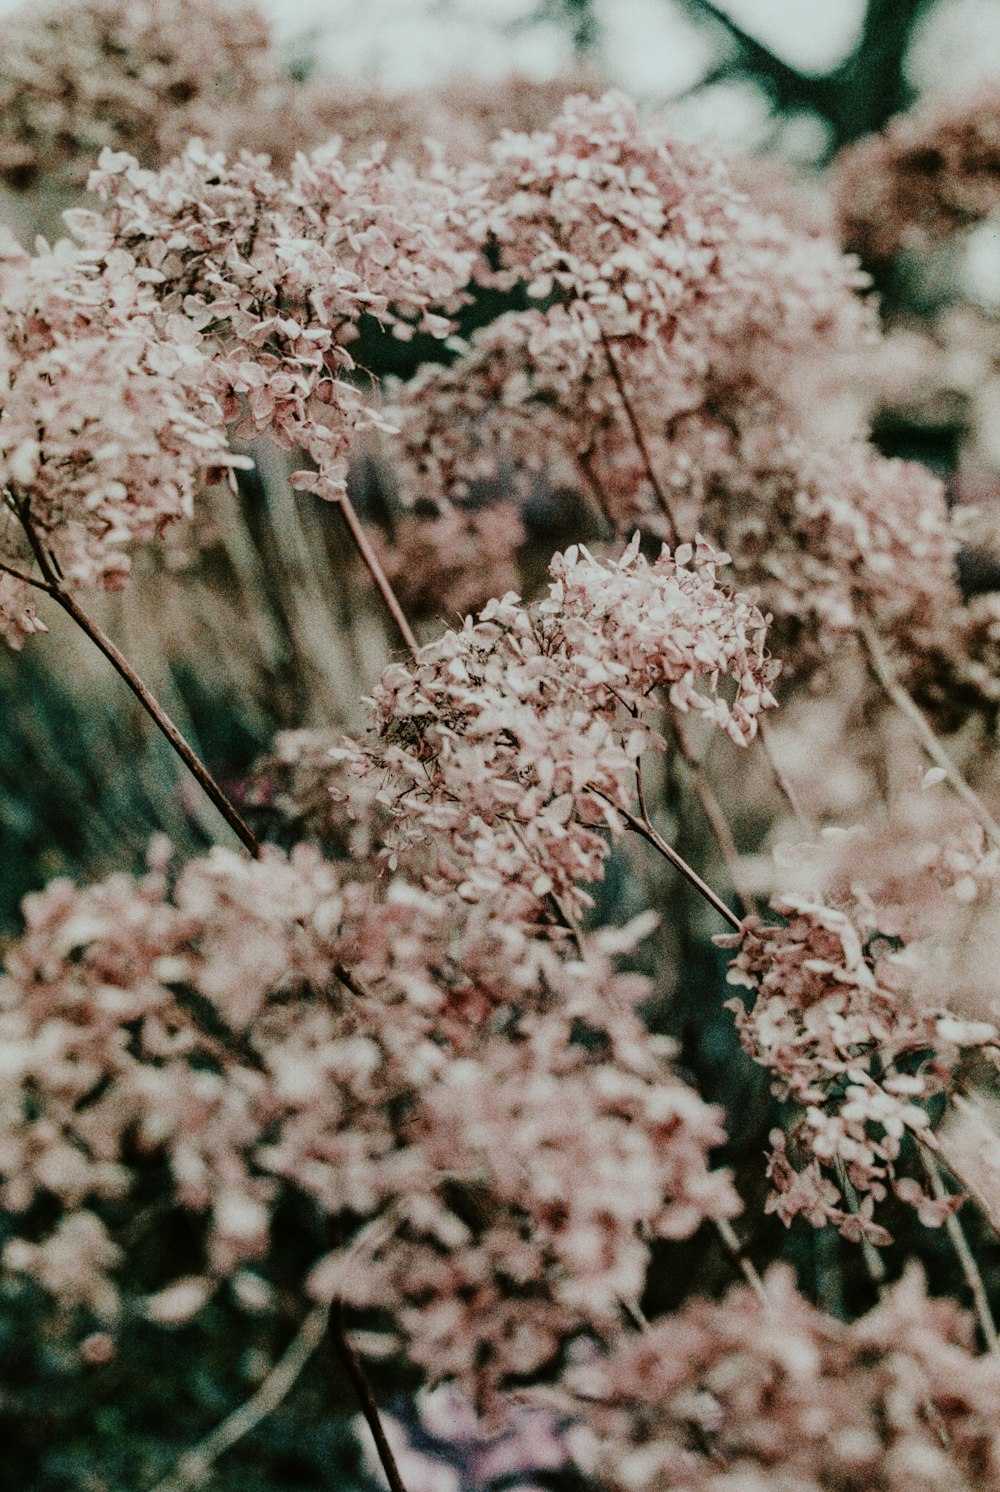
<point x="693" y="351"/>
<point x="77" y="76"/>
<point x="933" y="171"/>
<point x="774" y="1396"/>
<point x="850" y="1013"/>
<point x="512" y="742"/>
<point x="270" y="276"/>
<point x="494" y="1179"/>
<point x="107" y="428"/>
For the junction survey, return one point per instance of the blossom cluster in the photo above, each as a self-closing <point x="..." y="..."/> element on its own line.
<point x="684" y="341"/>
<point x="412" y="1067"/>
<point x="511" y="743"/>
<point x="933" y="171"/>
<point x="270" y="276"/>
<point x="771" y="1395"/>
<point x="145" y="76"/>
<point x="107" y="428"/>
<point x="852" y="1013"/>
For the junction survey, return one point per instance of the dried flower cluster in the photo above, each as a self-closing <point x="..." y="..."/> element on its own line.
<point x="684" y="341"/>
<point x="775" y="1396"/>
<point x="494" y="1178"/>
<point x="852" y="1014"/>
<point x="932" y="172"/>
<point x="273" y="275"/>
<point x="145" y="76"/>
<point x="108" y="428"/>
<point x="512" y="742"/>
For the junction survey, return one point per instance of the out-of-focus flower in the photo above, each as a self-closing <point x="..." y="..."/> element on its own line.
<point x="767" y="1396"/>
<point x="931" y="172"/>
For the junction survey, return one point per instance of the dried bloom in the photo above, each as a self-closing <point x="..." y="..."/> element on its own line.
<point x="849" y="1015"/>
<point x="453" y="563"/>
<point x="437" y="1104"/>
<point x="308" y="792"/>
<point x="688" y="350"/>
<point x="445" y="1446"/>
<point x="774" y="1396"/>
<point x="107" y="430"/>
<point x="513" y="741"/>
<point x="932" y="171"/>
<point x="271" y="276"/>
<point x="77" y="76"/>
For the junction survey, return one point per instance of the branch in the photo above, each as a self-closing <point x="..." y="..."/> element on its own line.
<point x="715" y="814"/>
<point x="363" y="1392"/>
<point x="881" y="667"/>
<point x="643" y="827"/>
<point x="194" y="1465"/>
<point x="637" y="433"/>
<point x="371" y="562"/>
<point x="964" y="1254"/>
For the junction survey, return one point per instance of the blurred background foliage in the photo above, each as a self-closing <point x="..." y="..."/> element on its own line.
<point x="270" y="627"/>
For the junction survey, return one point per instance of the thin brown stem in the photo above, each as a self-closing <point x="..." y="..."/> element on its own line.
<point x="56" y="588"/>
<point x="363" y="1392"/>
<point x="643" y="827"/>
<point x="638" y="434"/>
<point x="716" y="816"/>
<point x="882" y="669"/>
<point x="64" y="598"/>
<point x="964" y="1254"/>
<point x="733" y="1247"/>
<point x="781" y="778"/>
<point x="374" y="568"/>
<point x="32" y="580"/>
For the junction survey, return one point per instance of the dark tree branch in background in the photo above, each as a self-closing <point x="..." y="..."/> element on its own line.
<point x="855" y="98"/>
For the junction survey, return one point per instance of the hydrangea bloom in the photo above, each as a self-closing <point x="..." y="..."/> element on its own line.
<point x="271" y="276"/>
<point x="849" y="1014"/>
<point x="773" y="1396"/>
<point x="137" y="75"/>
<point x="107" y="428"/>
<point x="512" y="741"/>
<point x="931" y="172"/>
<point x="436" y="1104"/>
<point x="692" y="352"/>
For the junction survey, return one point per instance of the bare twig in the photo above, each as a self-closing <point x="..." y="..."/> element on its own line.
<point x="964" y="1254"/>
<point x="363" y="1392"/>
<point x="32" y="580"/>
<point x="64" y="598"/>
<point x="207" y="782"/>
<point x="637" y="434"/>
<point x="734" y="1249"/>
<point x="371" y="562"/>
<point x="715" y="814"/>
<point x="882" y="669"/>
<point x="193" y="1467"/>
<point x="643" y="827"/>
<point x="781" y="778"/>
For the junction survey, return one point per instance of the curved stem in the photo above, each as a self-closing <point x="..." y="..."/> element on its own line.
<point x="881" y="667"/>
<point x="637" y="434"/>
<point x="643" y="827"/>
<point x="64" y="598"/>
<point x="193" y="1467"/>
<point x="964" y="1254"/>
<point x="716" y="816"/>
<point x="56" y="588"/>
